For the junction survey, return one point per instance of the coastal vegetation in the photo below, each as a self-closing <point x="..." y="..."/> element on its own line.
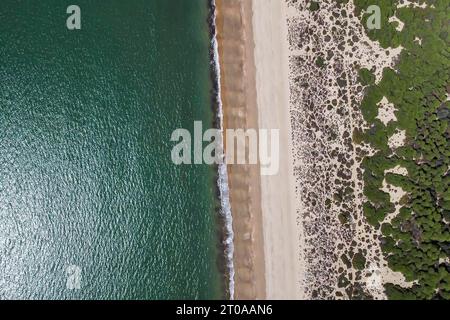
<point x="415" y="230"/>
<point x="314" y="6"/>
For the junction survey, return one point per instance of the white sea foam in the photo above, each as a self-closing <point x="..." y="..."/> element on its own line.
<point x="223" y="174"/>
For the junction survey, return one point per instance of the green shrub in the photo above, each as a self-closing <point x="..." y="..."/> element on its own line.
<point x="359" y="261"/>
<point x="366" y="77"/>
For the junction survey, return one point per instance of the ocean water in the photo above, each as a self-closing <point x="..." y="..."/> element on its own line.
<point x="91" y="206"/>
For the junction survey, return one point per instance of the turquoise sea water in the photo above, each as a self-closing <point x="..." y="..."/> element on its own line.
<point x="86" y="178"/>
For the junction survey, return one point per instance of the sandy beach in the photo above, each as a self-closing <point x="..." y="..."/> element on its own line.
<point x="282" y="233"/>
<point x="255" y="94"/>
<point x="240" y="112"/>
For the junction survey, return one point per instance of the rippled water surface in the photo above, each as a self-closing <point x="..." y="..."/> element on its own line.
<point x="88" y="193"/>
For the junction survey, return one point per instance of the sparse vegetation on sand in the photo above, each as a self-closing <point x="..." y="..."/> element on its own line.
<point x="416" y="240"/>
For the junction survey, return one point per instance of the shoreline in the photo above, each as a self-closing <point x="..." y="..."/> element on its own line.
<point x="255" y="95"/>
<point x="222" y="185"/>
<point x="240" y="112"/>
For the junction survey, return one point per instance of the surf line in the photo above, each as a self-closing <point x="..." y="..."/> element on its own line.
<point x="222" y="181"/>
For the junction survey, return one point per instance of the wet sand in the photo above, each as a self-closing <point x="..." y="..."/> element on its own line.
<point x="255" y="92"/>
<point x="240" y="112"/>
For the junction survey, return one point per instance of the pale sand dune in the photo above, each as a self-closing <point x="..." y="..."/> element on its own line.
<point x="386" y="111"/>
<point x="329" y="179"/>
<point x="397" y="139"/>
<point x="400" y="24"/>
<point x="282" y="232"/>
